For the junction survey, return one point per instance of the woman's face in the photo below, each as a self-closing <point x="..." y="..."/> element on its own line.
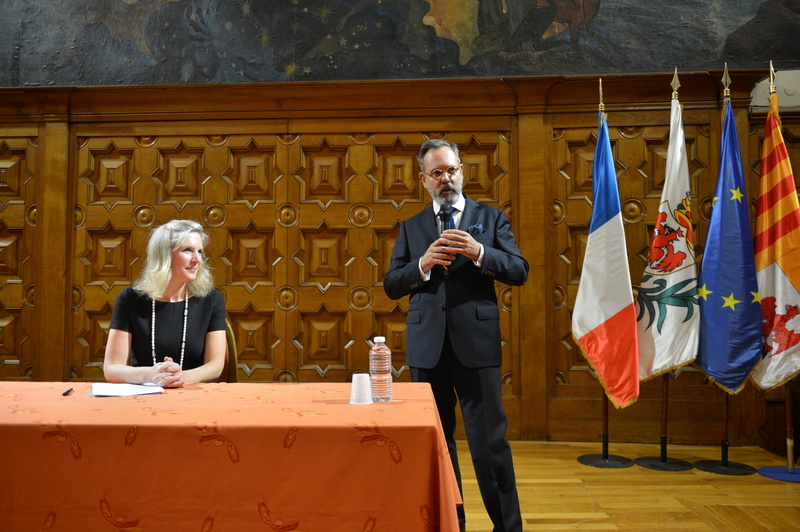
<point x="187" y="258"/>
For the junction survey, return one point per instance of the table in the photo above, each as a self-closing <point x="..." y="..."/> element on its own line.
<point x="223" y="457"/>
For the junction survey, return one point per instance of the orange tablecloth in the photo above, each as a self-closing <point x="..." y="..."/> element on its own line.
<point x="223" y="457"/>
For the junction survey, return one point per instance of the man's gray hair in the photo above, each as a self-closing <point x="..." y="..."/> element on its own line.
<point x="434" y="144"/>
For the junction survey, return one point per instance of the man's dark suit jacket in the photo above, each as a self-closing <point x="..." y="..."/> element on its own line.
<point x="461" y="298"/>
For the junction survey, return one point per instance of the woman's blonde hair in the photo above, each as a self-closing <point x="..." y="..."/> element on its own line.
<point x="157" y="271"/>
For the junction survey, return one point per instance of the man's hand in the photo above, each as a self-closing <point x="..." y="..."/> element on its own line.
<point x="438" y="253"/>
<point x="462" y="243"/>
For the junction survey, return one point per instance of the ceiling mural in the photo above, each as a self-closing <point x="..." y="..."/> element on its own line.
<point x="145" y="42"/>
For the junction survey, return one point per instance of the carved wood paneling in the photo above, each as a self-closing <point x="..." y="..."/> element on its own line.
<point x="303" y="196"/>
<point x="302" y="231"/>
<point x="19" y="149"/>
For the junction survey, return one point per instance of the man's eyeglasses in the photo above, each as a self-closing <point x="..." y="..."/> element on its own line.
<point x="438" y="174"/>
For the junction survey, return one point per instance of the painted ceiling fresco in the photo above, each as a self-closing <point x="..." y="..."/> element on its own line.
<point x="144" y="42"/>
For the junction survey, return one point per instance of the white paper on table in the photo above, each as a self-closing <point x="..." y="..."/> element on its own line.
<point x="116" y="389"/>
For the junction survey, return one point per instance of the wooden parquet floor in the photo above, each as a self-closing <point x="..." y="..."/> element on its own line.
<point x="559" y="493"/>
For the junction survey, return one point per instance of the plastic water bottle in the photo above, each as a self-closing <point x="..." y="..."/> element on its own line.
<point x="380" y="370"/>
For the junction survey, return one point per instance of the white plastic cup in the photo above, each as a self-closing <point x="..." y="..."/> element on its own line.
<point x="361" y="390"/>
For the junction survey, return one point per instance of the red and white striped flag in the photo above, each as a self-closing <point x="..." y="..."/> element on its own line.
<point x="777" y="253"/>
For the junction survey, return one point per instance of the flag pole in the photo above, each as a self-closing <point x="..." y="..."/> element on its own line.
<point x="662" y="463"/>
<point x="771" y="79"/>
<point x="779" y="473"/>
<point x="723" y="466"/>
<point x="789" y="428"/>
<point x="605" y="460"/>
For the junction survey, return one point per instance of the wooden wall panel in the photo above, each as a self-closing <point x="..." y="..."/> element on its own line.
<point x="302" y="230"/>
<point x="639" y="145"/>
<point x="303" y="197"/>
<point x="19" y="152"/>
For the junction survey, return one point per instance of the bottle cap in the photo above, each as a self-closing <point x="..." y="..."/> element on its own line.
<point x="380" y="339"/>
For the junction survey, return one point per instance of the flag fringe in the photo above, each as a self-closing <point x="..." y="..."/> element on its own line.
<point x="673" y="368"/>
<point x="599" y="378"/>
<point x="783" y="382"/>
<point x="741" y="386"/>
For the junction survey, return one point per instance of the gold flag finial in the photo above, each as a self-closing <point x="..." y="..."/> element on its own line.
<point x="726" y="82"/>
<point x="602" y="107"/>
<point x="771" y="79"/>
<point x="675" y="85"/>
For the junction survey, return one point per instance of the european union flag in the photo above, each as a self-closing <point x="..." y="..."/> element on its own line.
<point x="730" y="310"/>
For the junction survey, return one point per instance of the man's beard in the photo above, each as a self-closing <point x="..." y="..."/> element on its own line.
<point x="447" y="194"/>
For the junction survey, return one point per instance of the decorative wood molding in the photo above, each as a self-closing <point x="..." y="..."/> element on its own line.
<point x="364" y="99"/>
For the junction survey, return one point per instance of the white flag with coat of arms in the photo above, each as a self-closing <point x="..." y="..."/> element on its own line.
<point x="668" y="317"/>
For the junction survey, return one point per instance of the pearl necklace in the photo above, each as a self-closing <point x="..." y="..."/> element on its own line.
<point x="153" y="330"/>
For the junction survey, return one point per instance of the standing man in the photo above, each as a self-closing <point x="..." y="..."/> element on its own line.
<point x="453" y="322"/>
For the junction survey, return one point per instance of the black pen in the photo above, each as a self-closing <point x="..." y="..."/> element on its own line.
<point x="67" y="392"/>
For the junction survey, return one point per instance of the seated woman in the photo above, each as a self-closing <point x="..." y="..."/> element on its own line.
<point x="169" y="328"/>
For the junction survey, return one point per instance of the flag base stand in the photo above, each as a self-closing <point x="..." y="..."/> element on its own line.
<point x="659" y="464"/>
<point x="662" y="463"/>
<point x="721" y="468"/>
<point x="605" y="460"/>
<point x="788" y="473"/>
<point x="780" y="473"/>
<point x="608" y="461"/>
<point x="724" y="467"/>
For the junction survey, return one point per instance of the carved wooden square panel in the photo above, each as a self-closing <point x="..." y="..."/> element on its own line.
<point x="12" y="254"/>
<point x="380" y="256"/>
<point x="14" y="172"/>
<point x="251" y="173"/>
<point x="256" y="338"/>
<point x="251" y="256"/>
<point x="482" y="169"/>
<point x="574" y="151"/>
<point x="323" y="340"/>
<point x="181" y="172"/>
<point x="110" y="176"/>
<point x="323" y="173"/>
<point x="109" y="257"/>
<point x="396" y="173"/>
<point x="324" y="257"/>
<point x="9" y="319"/>
<point x="94" y="335"/>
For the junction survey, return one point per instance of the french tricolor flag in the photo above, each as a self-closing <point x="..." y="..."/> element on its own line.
<point x="604" y="315"/>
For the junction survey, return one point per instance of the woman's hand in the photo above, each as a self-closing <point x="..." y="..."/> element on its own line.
<point x="168" y="374"/>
